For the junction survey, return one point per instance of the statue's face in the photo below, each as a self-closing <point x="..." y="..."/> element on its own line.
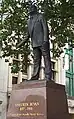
<point x="33" y="10"/>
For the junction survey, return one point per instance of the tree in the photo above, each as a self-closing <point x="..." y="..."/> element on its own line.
<point x="13" y="25"/>
<point x="60" y="16"/>
<point x="13" y="28"/>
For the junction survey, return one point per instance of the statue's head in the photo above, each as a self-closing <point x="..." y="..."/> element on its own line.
<point x="32" y="9"/>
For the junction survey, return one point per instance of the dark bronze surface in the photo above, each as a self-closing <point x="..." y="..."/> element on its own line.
<point x="38" y="100"/>
<point x="39" y="34"/>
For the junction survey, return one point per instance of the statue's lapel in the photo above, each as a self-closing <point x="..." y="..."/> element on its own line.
<point x="32" y="24"/>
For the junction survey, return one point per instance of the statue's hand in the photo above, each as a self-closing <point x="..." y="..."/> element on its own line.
<point x="23" y="41"/>
<point x="20" y="44"/>
<point x="17" y="46"/>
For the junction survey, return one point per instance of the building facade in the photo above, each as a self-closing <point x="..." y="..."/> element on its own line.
<point x="3" y="88"/>
<point x="67" y="76"/>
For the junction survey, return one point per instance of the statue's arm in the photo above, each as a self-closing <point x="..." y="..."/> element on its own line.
<point x="45" y="27"/>
<point x="23" y="41"/>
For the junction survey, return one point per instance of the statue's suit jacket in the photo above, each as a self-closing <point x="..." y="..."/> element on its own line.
<point x="37" y="28"/>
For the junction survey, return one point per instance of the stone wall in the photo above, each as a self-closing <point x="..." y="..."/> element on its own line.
<point x="3" y="88"/>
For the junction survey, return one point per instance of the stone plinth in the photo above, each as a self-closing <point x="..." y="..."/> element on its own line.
<point x="38" y="100"/>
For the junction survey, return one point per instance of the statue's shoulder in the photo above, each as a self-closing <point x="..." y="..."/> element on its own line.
<point x="40" y="16"/>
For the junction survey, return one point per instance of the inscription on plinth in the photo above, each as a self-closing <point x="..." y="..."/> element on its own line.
<point x="27" y="103"/>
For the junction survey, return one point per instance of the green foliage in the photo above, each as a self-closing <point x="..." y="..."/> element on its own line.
<point x="60" y="16"/>
<point x="13" y="24"/>
<point x="14" y="18"/>
<point x="15" y="68"/>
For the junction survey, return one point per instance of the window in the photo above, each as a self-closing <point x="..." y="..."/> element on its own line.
<point x="69" y="74"/>
<point x="71" y="63"/>
<point x="54" y="69"/>
<point x="0" y="102"/>
<point x="14" y="80"/>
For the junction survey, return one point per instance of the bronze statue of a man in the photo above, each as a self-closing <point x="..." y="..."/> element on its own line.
<point x="38" y="32"/>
